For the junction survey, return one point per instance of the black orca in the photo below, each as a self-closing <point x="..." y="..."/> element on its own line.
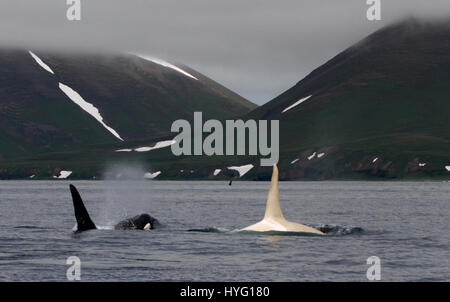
<point x="85" y="223"/>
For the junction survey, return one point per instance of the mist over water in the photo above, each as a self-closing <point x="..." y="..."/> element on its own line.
<point x="126" y="193"/>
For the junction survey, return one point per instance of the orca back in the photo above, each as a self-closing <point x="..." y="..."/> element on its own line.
<point x="84" y="222"/>
<point x="138" y="222"/>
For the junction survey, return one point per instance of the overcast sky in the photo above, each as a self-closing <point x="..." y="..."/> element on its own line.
<point x="257" y="48"/>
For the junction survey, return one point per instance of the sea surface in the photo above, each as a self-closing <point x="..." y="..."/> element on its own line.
<point x="405" y="224"/>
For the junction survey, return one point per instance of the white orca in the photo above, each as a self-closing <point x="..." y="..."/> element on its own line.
<point x="274" y="219"/>
<point x="84" y="222"/>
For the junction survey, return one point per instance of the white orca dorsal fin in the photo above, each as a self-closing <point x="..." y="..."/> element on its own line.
<point x="273" y="209"/>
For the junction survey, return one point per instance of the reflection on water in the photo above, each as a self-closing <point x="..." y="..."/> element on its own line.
<point x="273" y="238"/>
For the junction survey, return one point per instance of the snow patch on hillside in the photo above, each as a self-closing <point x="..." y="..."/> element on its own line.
<point x="168" y="65"/>
<point x="312" y="156"/>
<point x="158" y="145"/>
<point x="447" y="168"/>
<point x="294" y="161"/>
<point x="320" y="155"/>
<point x="124" y="150"/>
<point x="40" y="62"/>
<point x="88" y="107"/>
<point x="241" y="169"/>
<point x="296" y="103"/>
<point x="217" y="171"/>
<point x="375" y="159"/>
<point x="149" y="175"/>
<point x="63" y="174"/>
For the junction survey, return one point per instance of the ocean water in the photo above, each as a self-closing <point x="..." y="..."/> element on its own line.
<point x="405" y="224"/>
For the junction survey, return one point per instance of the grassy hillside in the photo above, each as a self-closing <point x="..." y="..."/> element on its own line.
<point x="35" y="116"/>
<point x="387" y="97"/>
<point x="141" y="98"/>
<point x="138" y="98"/>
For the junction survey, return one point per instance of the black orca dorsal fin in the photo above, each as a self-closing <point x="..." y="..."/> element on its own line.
<point x="84" y="222"/>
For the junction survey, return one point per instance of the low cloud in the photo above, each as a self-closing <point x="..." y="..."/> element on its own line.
<point x="258" y="48"/>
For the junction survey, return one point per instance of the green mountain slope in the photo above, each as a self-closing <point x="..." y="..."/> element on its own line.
<point x="387" y="97"/>
<point x="35" y="116"/>
<point x="139" y="97"/>
<point x="136" y="97"/>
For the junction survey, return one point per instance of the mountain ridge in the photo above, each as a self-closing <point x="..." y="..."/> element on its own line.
<point x="393" y="83"/>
